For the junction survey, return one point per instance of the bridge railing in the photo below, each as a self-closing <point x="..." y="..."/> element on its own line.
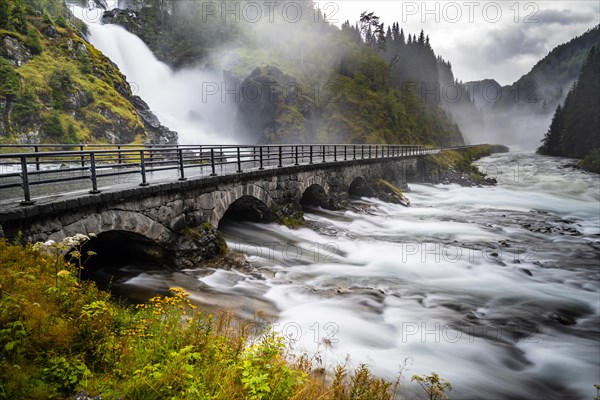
<point x="41" y="172"/>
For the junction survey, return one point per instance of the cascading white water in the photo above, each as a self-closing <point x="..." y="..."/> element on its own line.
<point x="496" y="289"/>
<point x="188" y="101"/>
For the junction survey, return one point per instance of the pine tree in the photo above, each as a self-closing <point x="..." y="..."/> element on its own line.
<point x="575" y="126"/>
<point x="4" y="14"/>
<point x="422" y="38"/>
<point x="551" y="142"/>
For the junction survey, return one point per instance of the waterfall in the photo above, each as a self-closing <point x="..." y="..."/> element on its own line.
<point x="187" y="101"/>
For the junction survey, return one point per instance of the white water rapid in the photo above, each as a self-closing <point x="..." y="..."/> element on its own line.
<point x="188" y="101"/>
<point x="496" y="289"/>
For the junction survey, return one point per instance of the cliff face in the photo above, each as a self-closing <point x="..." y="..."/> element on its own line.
<point x="56" y="87"/>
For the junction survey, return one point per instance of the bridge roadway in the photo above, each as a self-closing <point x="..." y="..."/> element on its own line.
<point x="50" y="174"/>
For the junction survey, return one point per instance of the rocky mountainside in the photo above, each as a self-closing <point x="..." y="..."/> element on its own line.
<point x="56" y="87"/>
<point x="527" y="105"/>
<point x="548" y="82"/>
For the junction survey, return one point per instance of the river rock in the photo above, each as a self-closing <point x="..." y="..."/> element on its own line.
<point x="526" y="271"/>
<point x="562" y="319"/>
<point x="195" y="245"/>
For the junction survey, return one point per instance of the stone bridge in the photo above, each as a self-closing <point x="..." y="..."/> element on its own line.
<point x="152" y="218"/>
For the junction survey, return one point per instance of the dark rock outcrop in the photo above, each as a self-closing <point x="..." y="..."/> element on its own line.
<point x="14" y="51"/>
<point x="194" y="245"/>
<point x="157" y="132"/>
<point x="271" y="108"/>
<point x="387" y="192"/>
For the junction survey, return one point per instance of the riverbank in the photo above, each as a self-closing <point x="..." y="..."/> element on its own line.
<point x="456" y="165"/>
<point x="61" y="336"/>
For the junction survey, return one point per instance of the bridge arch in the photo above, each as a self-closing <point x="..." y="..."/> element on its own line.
<point x="314" y="180"/>
<point x="118" y="248"/>
<point x="117" y="220"/>
<point x="250" y="198"/>
<point x="315" y="196"/>
<point x="360" y="187"/>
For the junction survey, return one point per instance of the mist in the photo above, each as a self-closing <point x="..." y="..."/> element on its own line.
<point x="212" y="98"/>
<point x="517" y="116"/>
<point x="519" y="130"/>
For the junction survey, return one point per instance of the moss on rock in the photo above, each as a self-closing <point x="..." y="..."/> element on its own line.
<point x="68" y="79"/>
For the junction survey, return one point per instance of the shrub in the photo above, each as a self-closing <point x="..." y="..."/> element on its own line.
<point x="592" y="161"/>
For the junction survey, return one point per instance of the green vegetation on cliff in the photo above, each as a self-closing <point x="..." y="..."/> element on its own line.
<point x="56" y="87"/>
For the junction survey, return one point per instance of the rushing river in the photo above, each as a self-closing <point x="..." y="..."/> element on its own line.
<point x="495" y="288"/>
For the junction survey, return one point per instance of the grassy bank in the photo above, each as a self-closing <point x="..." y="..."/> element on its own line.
<point x="461" y="161"/>
<point x="59" y="335"/>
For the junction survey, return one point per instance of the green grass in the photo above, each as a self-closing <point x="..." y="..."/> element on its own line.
<point x="462" y="160"/>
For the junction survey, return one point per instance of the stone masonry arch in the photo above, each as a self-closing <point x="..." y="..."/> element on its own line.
<point x="117" y="220"/>
<point x="225" y="198"/>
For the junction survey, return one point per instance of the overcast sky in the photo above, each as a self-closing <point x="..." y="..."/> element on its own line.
<point x="482" y="39"/>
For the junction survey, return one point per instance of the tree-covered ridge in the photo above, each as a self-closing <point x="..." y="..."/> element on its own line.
<point x="576" y="124"/>
<point x="55" y="86"/>
<point x="547" y="83"/>
<point x="558" y="69"/>
<point x="345" y="85"/>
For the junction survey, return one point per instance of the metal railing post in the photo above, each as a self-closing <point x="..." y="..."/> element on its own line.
<point x="37" y="159"/>
<point x="143" y="168"/>
<point x="280" y="157"/>
<point x="345" y="153"/>
<point x="354" y="152"/>
<point x="181" y="166"/>
<point x="82" y="156"/>
<point x="323" y="152"/>
<point x="268" y="155"/>
<point x="25" y="183"/>
<point x="94" y="176"/>
<point x="119" y="155"/>
<point x="212" y="162"/>
<point x="260" y="158"/>
<point x="369" y="151"/>
<point x="296" y="151"/>
<point x="239" y="161"/>
<point x="334" y="152"/>
<point x="310" y="155"/>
